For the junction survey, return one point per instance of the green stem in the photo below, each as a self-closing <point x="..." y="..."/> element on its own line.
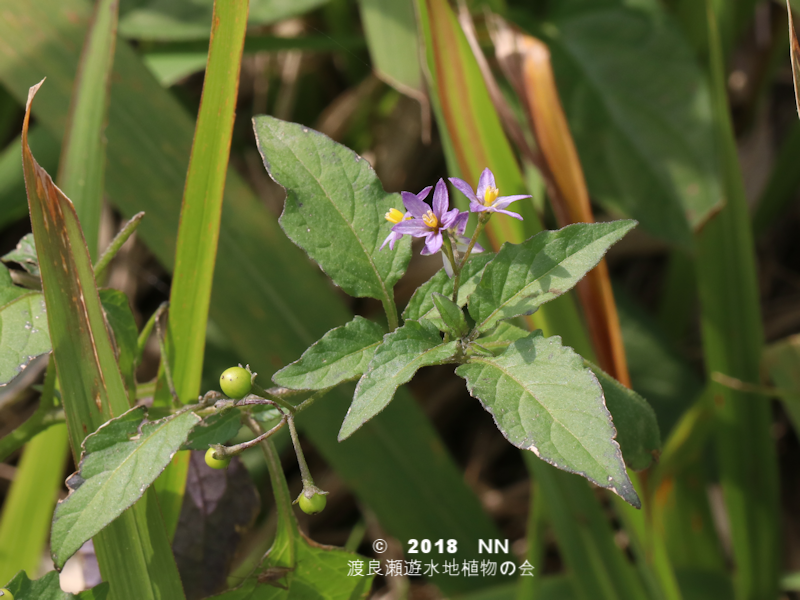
<point x="391" y="313"/>
<point x="457" y="268"/>
<point x="115" y="245"/>
<point x="223" y="452"/>
<point x="305" y="474"/>
<point x="287" y="525"/>
<point x="260" y="391"/>
<point x="147" y="330"/>
<point x="162" y="346"/>
<point x="311" y="399"/>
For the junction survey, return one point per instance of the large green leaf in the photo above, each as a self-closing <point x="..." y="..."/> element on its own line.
<point x="23" y="332"/>
<point x="543" y="399"/>
<point x="415" y="345"/>
<point x="524" y="276"/>
<point x="343" y="353"/>
<point x="119" y="462"/>
<point x="335" y="206"/>
<point x="49" y="588"/>
<point x="644" y="135"/>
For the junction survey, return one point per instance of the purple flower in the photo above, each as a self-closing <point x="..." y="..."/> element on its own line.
<point x="395" y="216"/>
<point x="487" y="198"/>
<point x="429" y="222"/>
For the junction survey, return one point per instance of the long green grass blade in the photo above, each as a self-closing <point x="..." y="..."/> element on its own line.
<point x="28" y="508"/>
<point x="83" y="158"/>
<point x="733" y="339"/>
<point x="196" y="249"/>
<point x="92" y="389"/>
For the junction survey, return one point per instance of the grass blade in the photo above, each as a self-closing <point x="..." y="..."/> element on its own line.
<point x="91" y="385"/>
<point x="28" y="508"/>
<point x="733" y="339"/>
<point x="198" y="233"/>
<point x="83" y="158"/>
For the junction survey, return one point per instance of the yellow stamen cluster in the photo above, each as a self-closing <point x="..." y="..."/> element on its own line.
<point x="490" y="196"/>
<point x="430" y="220"/>
<point x="394" y="216"/>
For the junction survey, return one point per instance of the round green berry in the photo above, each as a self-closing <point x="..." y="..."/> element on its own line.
<point x="311" y="506"/>
<point x="216" y="463"/>
<point x="235" y="382"/>
<point x="5" y="594"/>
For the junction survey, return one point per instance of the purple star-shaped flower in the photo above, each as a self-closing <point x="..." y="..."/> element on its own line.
<point x="487" y="198"/>
<point x="395" y="216"/>
<point x="429" y="222"/>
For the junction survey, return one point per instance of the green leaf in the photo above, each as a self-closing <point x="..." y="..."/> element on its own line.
<point x="320" y="574"/>
<point x="23" y="334"/>
<point x="335" y="206"/>
<point x="421" y="304"/>
<point x="391" y="30"/>
<point x="635" y="421"/>
<point x="123" y="326"/>
<point x="25" y="255"/>
<point x="214" y="429"/>
<point x="8" y="291"/>
<point x="543" y="399"/>
<point x="645" y="135"/>
<point x="414" y="345"/>
<point x="49" y="588"/>
<point x="119" y="462"/>
<point x="524" y="276"/>
<point x="501" y="337"/>
<point x="453" y="319"/>
<point x="343" y="353"/>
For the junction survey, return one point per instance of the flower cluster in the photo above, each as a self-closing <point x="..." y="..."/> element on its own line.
<point x="435" y="221"/>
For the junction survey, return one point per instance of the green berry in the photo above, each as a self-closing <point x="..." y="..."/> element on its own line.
<point x="235" y="382"/>
<point x="216" y="463"/>
<point x="311" y="506"/>
<point x="5" y="594"/>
